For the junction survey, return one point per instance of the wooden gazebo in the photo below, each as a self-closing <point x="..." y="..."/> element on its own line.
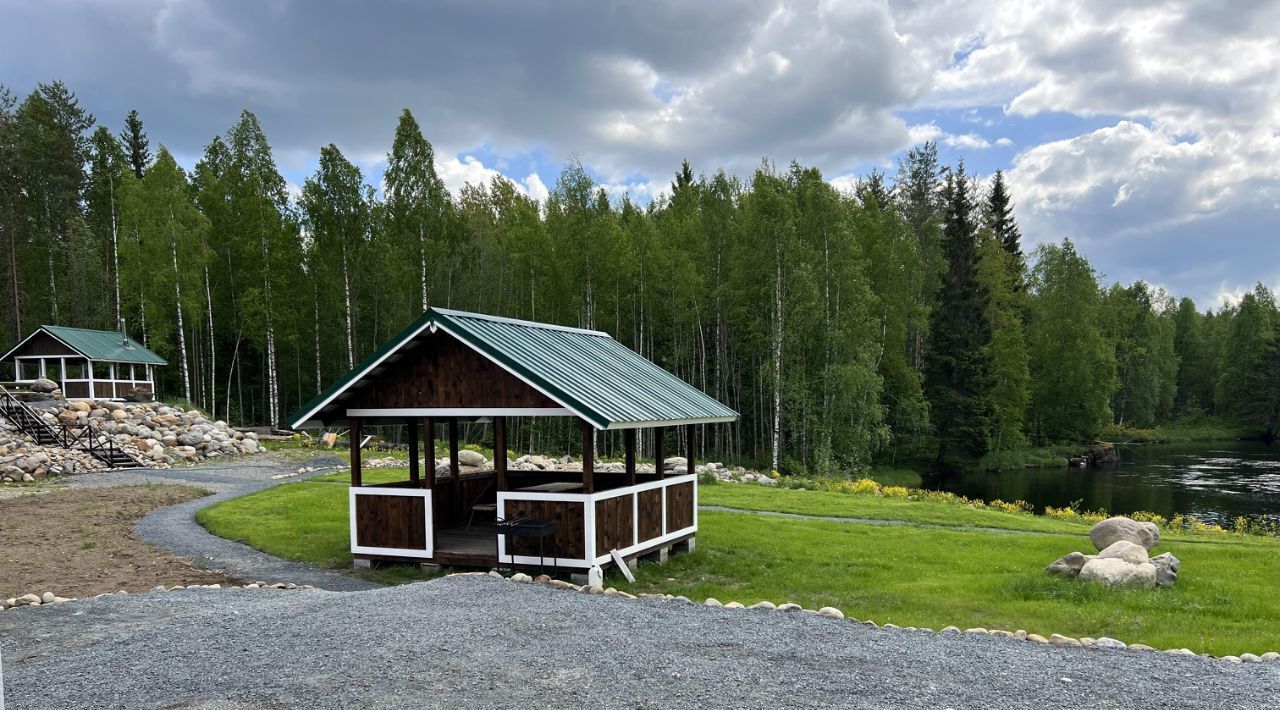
<point x="86" y="364"/>
<point x="450" y="367"/>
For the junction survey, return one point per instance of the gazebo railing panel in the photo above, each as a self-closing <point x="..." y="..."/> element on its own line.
<point x="630" y="519"/>
<point x="394" y="522"/>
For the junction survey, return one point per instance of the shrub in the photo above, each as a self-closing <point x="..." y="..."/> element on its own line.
<point x="864" y="486"/>
<point x="896" y="491"/>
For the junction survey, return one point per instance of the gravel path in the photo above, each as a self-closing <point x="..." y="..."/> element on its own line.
<point x="478" y="642"/>
<point x="175" y="528"/>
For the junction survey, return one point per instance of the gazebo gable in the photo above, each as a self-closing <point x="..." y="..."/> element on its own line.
<point x="581" y="372"/>
<point x="437" y="371"/>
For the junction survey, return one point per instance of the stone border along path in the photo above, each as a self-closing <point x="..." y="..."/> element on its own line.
<point x="174" y="528"/>
<point x="471" y="641"/>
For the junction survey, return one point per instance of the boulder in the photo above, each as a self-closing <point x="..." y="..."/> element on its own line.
<point x="675" y="462"/>
<point x="467" y="457"/>
<point x="1166" y="569"/>
<point x="1069" y="564"/>
<point x="190" y="438"/>
<point x="1125" y="550"/>
<point x="1110" y="530"/>
<point x="43" y="385"/>
<point x="1116" y="572"/>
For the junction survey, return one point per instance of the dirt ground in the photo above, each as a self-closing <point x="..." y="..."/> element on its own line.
<point x="78" y="543"/>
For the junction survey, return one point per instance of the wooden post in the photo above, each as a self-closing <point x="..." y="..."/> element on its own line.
<point x="689" y="431"/>
<point x="588" y="459"/>
<point x="629" y="443"/>
<point x="429" y="443"/>
<point x="354" y="433"/>
<point x="414" y="473"/>
<point x="658" y="453"/>
<point x="500" y="451"/>
<point x="453" y="447"/>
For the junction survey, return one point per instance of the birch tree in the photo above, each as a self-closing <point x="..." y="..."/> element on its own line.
<point x="418" y="207"/>
<point x="336" y="213"/>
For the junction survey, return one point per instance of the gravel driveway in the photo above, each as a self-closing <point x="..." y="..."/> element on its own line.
<point x="175" y="528"/>
<point x="478" y="642"/>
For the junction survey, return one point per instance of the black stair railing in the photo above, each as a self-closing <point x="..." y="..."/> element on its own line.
<point x="87" y="438"/>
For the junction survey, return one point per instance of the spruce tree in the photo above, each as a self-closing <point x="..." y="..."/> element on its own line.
<point x="998" y="216"/>
<point x="957" y="367"/>
<point x="135" y="143"/>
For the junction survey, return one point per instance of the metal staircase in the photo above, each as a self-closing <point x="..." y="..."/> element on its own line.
<point x="85" y="438"/>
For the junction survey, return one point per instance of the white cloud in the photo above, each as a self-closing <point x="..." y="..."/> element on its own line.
<point x="458" y="173"/>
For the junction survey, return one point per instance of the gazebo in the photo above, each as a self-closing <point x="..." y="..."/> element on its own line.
<point x="86" y="364"/>
<point x="451" y="367"/>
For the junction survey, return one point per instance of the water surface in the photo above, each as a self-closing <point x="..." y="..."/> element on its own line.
<point x="1216" y="482"/>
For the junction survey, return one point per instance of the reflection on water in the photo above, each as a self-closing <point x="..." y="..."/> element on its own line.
<point x="1214" y="482"/>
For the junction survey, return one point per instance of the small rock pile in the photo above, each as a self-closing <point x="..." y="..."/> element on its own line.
<point x="157" y="434"/>
<point x="49" y="598"/>
<point x="474" y="462"/>
<point x="1122" y="559"/>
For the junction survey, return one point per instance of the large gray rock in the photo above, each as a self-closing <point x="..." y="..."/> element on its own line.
<point x="467" y="457"/>
<point x="43" y="385"/>
<point x="1166" y="569"/>
<point x="1115" y="572"/>
<point x="190" y="438"/>
<point x="1069" y="564"/>
<point x="1110" y="530"/>
<point x="1125" y="550"/>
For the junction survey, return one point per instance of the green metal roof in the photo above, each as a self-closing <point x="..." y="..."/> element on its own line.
<point x="103" y="345"/>
<point x="585" y="371"/>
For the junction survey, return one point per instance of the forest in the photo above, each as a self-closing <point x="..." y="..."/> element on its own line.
<point x="901" y="320"/>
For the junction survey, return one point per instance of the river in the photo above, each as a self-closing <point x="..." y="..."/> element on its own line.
<point x="1216" y="482"/>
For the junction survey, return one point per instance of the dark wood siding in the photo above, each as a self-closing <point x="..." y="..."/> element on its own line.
<point x="570" y="527"/>
<point x="613" y="524"/>
<point x="76" y="390"/>
<point x="439" y="371"/>
<point x="452" y="498"/>
<point x="390" y="521"/>
<point x="679" y="506"/>
<point x="650" y="514"/>
<point x="44" y="344"/>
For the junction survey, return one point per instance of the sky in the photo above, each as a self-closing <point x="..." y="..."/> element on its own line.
<point x="1147" y="132"/>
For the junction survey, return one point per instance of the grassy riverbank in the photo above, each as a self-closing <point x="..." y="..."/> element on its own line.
<point x="940" y="561"/>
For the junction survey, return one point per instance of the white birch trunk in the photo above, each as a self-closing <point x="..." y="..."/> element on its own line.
<point x="315" y="309"/>
<point x="115" y="245"/>
<point x="213" y="356"/>
<point x="142" y="312"/>
<point x="422" y="245"/>
<point x="273" y="386"/>
<point x="346" y="294"/>
<point x="776" y="347"/>
<point x="182" y="333"/>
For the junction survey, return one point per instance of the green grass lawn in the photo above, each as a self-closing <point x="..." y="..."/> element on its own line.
<point x="843" y="505"/>
<point x="1223" y="604"/>
<point x="910" y="576"/>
